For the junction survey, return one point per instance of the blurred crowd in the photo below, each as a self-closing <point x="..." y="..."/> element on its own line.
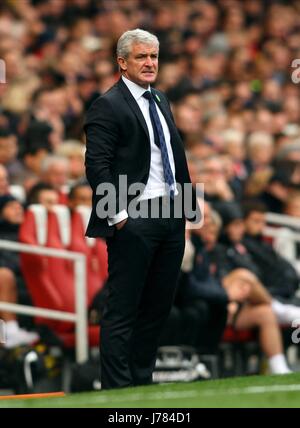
<point x="226" y="67"/>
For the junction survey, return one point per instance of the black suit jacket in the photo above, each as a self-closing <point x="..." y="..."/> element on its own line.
<point x="118" y="143"/>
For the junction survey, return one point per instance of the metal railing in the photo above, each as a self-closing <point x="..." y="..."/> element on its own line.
<point x="285" y="237"/>
<point x="80" y="315"/>
<point x="283" y="220"/>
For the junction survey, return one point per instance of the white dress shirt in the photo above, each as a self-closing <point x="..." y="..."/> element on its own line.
<point x="155" y="185"/>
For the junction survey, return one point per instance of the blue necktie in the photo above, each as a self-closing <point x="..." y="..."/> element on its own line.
<point x="160" y="141"/>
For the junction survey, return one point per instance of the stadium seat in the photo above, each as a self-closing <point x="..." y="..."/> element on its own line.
<point x="50" y="280"/>
<point x="94" y="250"/>
<point x="238" y="336"/>
<point x="240" y="345"/>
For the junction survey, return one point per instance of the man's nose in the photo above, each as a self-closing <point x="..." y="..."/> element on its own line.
<point x="149" y="61"/>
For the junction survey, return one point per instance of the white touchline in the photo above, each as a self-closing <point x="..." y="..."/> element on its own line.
<point x="254" y="390"/>
<point x="271" y="388"/>
<point x="138" y="397"/>
<point x="169" y="395"/>
<point x="246" y="390"/>
<point x="193" y="393"/>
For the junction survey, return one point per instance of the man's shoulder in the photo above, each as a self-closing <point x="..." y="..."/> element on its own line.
<point x="104" y="107"/>
<point x="110" y="95"/>
<point x="106" y="102"/>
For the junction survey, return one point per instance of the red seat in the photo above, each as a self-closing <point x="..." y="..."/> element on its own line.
<point x="93" y="337"/>
<point x="94" y="250"/>
<point x="236" y="336"/>
<point x="50" y="280"/>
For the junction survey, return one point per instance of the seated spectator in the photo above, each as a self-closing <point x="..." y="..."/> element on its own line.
<point x="238" y="291"/>
<point x="32" y="160"/>
<point x="11" y="216"/>
<point x="257" y="183"/>
<point x="74" y="151"/>
<point x="8" y="154"/>
<point x="276" y="191"/>
<point x="55" y="171"/>
<point x="260" y="151"/>
<point x="292" y="205"/>
<point x="38" y="134"/>
<point x="212" y="174"/>
<point x="242" y="252"/>
<point x="204" y="303"/>
<point x="234" y="145"/>
<point x="44" y="194"/>
<point x="277" y="273"/>
<point x="80" y="194"/>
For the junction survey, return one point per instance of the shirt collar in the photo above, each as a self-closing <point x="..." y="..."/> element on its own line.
<point x="136" y="90"/>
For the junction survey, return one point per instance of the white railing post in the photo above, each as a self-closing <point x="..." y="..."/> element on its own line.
<point x="80" y="315"/>
<point x="81" y="312"/>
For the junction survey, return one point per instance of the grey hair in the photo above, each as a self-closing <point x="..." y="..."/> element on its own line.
<point x="127" y="39"/>
<point x="50" y="160"/>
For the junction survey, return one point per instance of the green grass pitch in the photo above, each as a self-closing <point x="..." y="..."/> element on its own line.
<point x="251" y="391"/>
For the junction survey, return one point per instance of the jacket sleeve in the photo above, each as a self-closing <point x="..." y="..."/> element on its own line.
<point x="101" y="140"/>
<point x="102" y="136"/>
<point x="210" y="290"/>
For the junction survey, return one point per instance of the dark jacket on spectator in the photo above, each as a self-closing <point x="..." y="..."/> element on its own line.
<point x="277" y="274"/>
<point x="236" y="255"/>
<point x="9" y="259"/>
<point x="205" y="279"/>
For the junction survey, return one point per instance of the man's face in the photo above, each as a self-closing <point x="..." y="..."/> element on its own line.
<point x="293" y="207"/>
<point x="57" y="175"/>
<point x="141" y="65"/>
<point x="8" y="149"/>
<point x="255" y="223"/>
<point x="82" y="196"/>
<point x="13" y="212"/>
<point x="235" y="230"/>
<point x="48" y="198"/>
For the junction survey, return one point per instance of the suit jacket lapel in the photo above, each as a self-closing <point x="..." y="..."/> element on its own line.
<point x="166" y="114"/>
<point x="135" y="108"/>
<point x="133" y="105"/>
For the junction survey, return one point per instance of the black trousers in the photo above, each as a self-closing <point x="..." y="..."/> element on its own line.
<point x="144" y="259"/>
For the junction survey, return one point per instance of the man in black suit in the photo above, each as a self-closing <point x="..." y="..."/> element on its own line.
<point x="131" y="133"/>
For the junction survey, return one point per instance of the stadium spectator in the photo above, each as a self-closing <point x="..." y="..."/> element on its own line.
<point x="260" y="151"/>
<point x="55" y="172"/>
<point x="252" y="253"/>
<point x="44" y="194"/>
<point x="212" y="174"/>
<point x="292" y="205"/>
<point x="237" y="291"/>
<point x="74" y="151"/>
<point x="11" y="283"/>
<point x="80" y="194"/>
<point x="8" y="154"/>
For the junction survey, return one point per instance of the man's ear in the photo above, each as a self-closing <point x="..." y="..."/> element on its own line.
<point x="122" y="64"/>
